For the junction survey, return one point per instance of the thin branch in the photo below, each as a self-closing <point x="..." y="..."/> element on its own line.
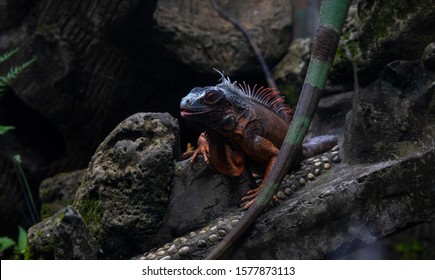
<point x="251" y="42"/>
<point x="351" y="58"/>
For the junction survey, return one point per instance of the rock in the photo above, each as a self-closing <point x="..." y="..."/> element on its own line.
<point x="125" y="190"/>
<point x="354" y="206"/>
<point x="290" y="72"/>
<point x="195" y="33"/>
<point x="428" y="57"/>
<point x="342" y="70"/>
<point x="98" y="62"/>
<point x="90" y="75"/>
<point x="12" y="12"/>
<point x="393" y="30"/>
<point x="199" y="195"/>
<point x="204" y="239"/>
<point x="348" y="207"/>
<point x="59" y="191"/>
<point x="391" y="117"/>
<point x="293" y="67"/>
<point x="63" y="236"/>
<point x="331" y="114"/>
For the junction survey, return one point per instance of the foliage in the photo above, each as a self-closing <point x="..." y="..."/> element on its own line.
<point x="410" y="250"/>
<point x="8" y="55"/>
<point x="20" y="248"/>
<point x="11" y="75"/>
<point x="5" y="128"/>
<point x="13" y="71"/>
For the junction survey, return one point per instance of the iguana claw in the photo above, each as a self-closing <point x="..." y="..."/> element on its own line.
<point x="203" y="149"/>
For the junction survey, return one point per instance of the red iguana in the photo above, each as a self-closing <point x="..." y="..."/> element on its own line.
<point x="243" y="127"/>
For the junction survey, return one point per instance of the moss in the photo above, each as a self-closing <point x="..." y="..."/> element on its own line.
<point x="49" y="209"/>
<point x="91" y="211"/>
<point x="46" y="211"/>
<point x="384" y="17"/>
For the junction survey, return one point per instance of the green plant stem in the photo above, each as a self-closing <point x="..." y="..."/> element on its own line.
<point x="34" y="215"/>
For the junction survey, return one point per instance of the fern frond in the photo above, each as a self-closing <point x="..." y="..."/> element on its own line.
<point x="5" y="128"/>
<point x="15" y="71"/>
<point x="3" y="84"/>
<point x="8" y="55"/>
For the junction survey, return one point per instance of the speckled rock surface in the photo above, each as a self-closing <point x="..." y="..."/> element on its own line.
<point x="393" y="30"/>
<point x="125" y="190"/>
<point x="196" y="243"/>
<point x="351" y="207"/>
<point x="331" y="114"/>
<point x="428" y="57"/>
<point x="199" y="37"/>
<point x="391" y="117"/>
<point x="63" y="236"/>
<point x="59" y="191"/>
<point x="293" y="67"/>
<point x="326" y="216"/>
<point x="199" y="195"/>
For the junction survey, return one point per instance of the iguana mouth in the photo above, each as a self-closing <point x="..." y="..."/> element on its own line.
<point x="187" y="113"/>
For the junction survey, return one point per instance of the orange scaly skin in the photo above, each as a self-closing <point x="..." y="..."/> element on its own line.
<point x="253" y="132"/>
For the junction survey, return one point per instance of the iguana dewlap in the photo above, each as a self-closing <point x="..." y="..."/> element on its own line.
<point x="242" y="125"/>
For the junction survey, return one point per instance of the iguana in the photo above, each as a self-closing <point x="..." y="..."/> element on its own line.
<point x="240" y="128"/>
<point x="244" y="129"/>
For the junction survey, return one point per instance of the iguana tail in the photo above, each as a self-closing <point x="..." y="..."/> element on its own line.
<point x="332" y="16"/>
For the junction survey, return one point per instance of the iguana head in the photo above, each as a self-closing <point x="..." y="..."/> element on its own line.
<point x="217" y="107"/>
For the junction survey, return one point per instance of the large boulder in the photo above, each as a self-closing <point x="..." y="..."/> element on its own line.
<point x="391" y="117"/>
<point x="97" y="63"/>
<point x="197" y="242"/>
<point x="354" y="206"/>
<point x="202" y="193"/>
<point x="125" y="190"/>
<point x="198" y="36"/>
<point x="393" y="30"/>
<point x="59" y="191"/>
<point x="63" y="236"/>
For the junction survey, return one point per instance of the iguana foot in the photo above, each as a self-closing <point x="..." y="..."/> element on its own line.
<point x="203" y="149"/>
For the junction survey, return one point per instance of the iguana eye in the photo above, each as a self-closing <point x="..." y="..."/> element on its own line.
<point x="212" y="97"/>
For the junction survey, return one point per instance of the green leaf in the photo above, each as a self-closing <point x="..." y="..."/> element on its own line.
<point x="15" y="71"/>
<point x="6" y="56"/>
<point x="6" y="243"/>
<point x="22" y="239"/>
<point x="4" y="129"/>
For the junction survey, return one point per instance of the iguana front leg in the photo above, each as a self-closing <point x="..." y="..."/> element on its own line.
<point x="219" y="153"/>
<point x="203" y="148"/>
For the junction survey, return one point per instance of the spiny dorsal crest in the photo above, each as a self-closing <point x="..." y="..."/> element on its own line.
<point x="263" y="95"/>
<point x="268" y="97"/>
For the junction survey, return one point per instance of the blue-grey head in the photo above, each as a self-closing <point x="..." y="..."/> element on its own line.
<point x="216" y="107"/>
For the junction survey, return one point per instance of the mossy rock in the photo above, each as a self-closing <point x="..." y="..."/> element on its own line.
<point x="125" y="190"/>
<point x="62" y="236"/>
<point x="393" y="30"/>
